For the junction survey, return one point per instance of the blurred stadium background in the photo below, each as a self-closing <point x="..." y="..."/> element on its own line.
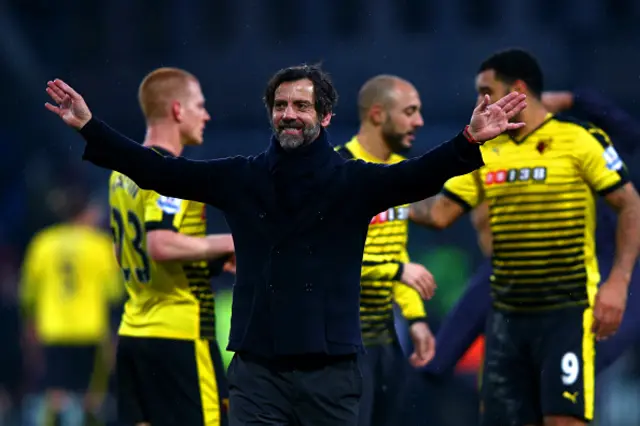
<point x="104" y="48"/>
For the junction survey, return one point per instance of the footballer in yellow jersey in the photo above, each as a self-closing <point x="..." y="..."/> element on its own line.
<point x="70" y="282"/>
<point x="390" y="114"/>
<point x="169" y="366"/>
<point x="540" y="186"/>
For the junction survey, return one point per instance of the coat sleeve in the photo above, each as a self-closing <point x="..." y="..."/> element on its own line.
<point x="174" y="177"/>
<point x="385" y="186"/>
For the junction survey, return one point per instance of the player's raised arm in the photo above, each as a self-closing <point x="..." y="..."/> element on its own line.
<point x="601" y="111"/>
<point x="422" y="177"/>
<point x="175" y="177"/>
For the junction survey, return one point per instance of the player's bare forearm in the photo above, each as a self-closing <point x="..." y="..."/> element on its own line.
<point x="482" y="223"/>
<point x="626" y="202"/>
<point x="436" y="212"/>
<point x="166" y="245"/>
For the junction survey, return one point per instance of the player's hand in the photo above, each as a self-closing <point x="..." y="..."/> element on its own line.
<point x="608" y="310"/>
<point x="419" y="278"/>
<point x="230" y="265"/>
<point x="557" y="101"/>
<point x="70" y="106"/>
<point x="489" y="120"/>
<point x="424" y="344"/>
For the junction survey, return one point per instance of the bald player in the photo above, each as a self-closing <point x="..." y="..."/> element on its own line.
<point x="169" y="367"/>
<point x="389" y="109"/>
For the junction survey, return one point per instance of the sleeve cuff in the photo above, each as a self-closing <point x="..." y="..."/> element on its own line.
<point x="458" y="200"/>
<point x="398" y="275"/>
<point x="610" y="189"/>
<point x="415" y="320"/>
<point x="467" y="151"/>
<point x="154" y="226"/>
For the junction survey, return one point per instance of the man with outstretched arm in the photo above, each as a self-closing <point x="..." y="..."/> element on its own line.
<point x="295" y="326"/>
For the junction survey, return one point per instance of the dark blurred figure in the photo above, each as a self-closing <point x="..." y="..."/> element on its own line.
<point x="11" y="364"/>
<point x="70" y="280"/>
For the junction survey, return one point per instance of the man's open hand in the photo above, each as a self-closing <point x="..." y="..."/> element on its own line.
<point x="70" y="106"/>
<point x="490" y="120"/>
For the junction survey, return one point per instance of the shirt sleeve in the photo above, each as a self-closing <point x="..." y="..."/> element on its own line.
<point x="409" y="302"/>
<point x="375" y="271"/>
<point x="465" y="190"/>
<point x="161" y="212"/>
<point x="408" y="299"/>
<point x="599" y="162"/>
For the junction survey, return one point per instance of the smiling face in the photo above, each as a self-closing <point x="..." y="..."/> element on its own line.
<point x="294" y="116"/>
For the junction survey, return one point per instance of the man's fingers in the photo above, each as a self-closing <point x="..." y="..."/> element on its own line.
<point x="427" y="284"/>
<point x="431" y="352"/>
<point x="54" y="95"/>
<point x="513" y="126"/>
<point x="67" y="89"/>
<point x="502" y="102"/>
<point x="52" y="87"/>
<point x="52" y="108"/>
<point x="515" y="107"/>
<point x="482" y="105"/>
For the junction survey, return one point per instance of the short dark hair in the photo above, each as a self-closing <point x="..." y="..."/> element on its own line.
<point x="516" y="64"/>
<point x="68" y="201"/>
<point x="325" y="95"/>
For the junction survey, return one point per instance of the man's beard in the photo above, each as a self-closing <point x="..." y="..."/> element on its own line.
<point x="394" y="140"/>
<point x="289" y="141"/>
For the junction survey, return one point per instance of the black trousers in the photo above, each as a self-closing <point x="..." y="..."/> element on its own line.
<point x="301" y="391"/>
<point x="386" y="374"/>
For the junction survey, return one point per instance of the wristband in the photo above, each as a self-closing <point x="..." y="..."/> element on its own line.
<point x="468" y="136"/>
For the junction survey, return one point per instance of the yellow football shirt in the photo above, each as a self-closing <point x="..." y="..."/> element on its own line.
<point x="166" y="299"/>
<point x="69" y="282"/>
<point x="541" y="195"/>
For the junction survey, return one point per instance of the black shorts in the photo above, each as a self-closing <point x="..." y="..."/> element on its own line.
<point x="538" y="365"/>
<point x="170" y="382"/>
<point x="69" y="367"/>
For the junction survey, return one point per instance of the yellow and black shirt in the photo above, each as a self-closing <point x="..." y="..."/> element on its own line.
<point x="166" y="299"/>
<point x="384" y="255"/>
<point x="541" y="197"/>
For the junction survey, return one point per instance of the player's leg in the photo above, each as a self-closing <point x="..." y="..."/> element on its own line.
<point x="129" y="392"/>
<point x="393" y="384"/>
<point x="566" y="357"/>
<point x="65" y="378"/>
<point x="368" y="401"/>
<point x="221" y="381"/>
<point x="87" y="367"/>
<point x="508" y="393"/>
<point x="463" y="324"/>
<point x="209" y="390"/>
<point x="171" y="379"/>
